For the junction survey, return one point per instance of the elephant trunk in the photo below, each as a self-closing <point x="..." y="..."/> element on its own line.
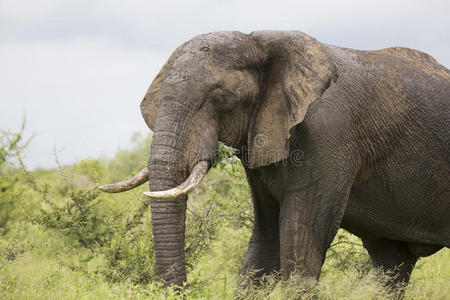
<point x="170" y="163"/>
<point x="168" y="215"/>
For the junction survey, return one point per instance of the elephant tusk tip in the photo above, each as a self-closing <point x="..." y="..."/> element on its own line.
<point x="128" y="184"/>
<point x="106" y="188"/>
<point x="156" y="195"/>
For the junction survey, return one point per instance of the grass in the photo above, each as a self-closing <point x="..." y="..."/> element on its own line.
<point x="87" y="252"/>
<point x="39" y="274"/>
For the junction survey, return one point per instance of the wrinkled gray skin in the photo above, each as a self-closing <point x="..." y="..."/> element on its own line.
<point x="329" y="137"/>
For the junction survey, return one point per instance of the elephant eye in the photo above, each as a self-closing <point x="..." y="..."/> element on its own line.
<point x="217" y="95"/>
<point x="219" y="99"/>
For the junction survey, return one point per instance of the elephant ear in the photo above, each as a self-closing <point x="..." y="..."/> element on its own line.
<point x="296" y="72"/>
<point x="149" y="105"/>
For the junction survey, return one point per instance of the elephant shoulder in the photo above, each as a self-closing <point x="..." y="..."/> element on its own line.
<point x="399" y="60"/>
<point x="408" y="60"/>
<point x="407" y="54"/>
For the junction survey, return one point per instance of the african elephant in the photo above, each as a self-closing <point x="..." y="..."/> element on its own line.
<point x="372" y="128"/>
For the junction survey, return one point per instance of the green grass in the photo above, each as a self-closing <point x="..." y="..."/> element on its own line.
<point x="59" y="240"/>
<point x="42" y="274"/>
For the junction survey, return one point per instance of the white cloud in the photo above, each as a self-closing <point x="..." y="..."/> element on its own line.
<point x="80" y="96"/>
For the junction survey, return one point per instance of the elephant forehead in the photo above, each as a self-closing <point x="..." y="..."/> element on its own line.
<point x="215" y="41"/>
<point x="184" y="67"/>
<point x="207" y="50"/>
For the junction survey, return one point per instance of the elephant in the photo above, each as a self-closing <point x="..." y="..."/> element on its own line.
<point x="329" y="138"/>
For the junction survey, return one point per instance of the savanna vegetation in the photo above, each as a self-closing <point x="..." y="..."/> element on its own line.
<point x="60" y="238"/>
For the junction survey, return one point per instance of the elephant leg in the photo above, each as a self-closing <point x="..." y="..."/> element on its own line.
<point x="305" y="236"/>
<point x="263" y="254"/>
<point x="394" y="259"/>
<point x="310" y="215"/>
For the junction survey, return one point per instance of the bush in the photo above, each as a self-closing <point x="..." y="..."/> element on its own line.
<point x="347" y="254"/>
<point x="121" y="237"/>
<point x="118" y="237"/>
<point x="11" y="249"/>
<point x="11" y="144"/>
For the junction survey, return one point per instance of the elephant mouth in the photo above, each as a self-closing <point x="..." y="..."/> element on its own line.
<point x="194" y="179"/>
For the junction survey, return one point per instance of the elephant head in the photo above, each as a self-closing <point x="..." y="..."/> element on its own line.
<point x="246" y="90"/>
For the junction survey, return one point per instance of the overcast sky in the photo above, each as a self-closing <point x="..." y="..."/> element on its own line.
<point x="80" y="68"/>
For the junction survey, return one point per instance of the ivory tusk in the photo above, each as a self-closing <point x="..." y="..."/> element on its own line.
<point x="198" y="172"/>
<point x="128" y="184"/>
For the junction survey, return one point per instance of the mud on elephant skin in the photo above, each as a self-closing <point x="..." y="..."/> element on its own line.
<point x="373" y="127"/>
